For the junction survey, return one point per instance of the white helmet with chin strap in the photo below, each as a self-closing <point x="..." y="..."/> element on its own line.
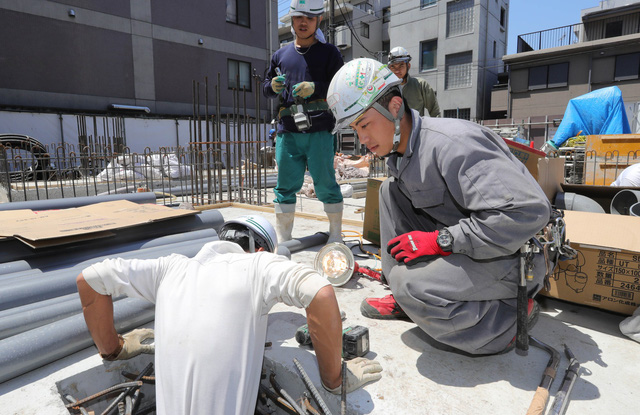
<point x="399" y="54"/>
<point x="260" y="232"/>
<point x="356" y="87"/>
<point x="309" y="8"/>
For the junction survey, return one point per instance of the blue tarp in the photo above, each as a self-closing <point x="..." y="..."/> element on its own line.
<point x="599" y="112"/>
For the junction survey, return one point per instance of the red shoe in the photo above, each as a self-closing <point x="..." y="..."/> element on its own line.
<point x="385" y="308"/>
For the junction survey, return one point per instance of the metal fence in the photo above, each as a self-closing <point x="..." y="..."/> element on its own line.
<point x="228" y="159"/>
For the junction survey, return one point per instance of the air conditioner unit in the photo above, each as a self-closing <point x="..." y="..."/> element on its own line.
<point x="343" y="37"/>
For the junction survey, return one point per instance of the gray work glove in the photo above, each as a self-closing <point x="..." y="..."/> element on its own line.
<point x="359" y="372"/>
<point x="133" y="344"/>
<point x="277" y="84"/>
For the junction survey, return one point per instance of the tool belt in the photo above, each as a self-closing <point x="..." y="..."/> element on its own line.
<point x="318" y="105"/>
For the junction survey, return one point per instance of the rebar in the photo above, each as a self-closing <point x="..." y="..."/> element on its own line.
<point x="314" y="392"/>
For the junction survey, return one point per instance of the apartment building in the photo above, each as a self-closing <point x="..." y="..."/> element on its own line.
<point x="456" y="47"/>
<point x="98" y="56"/>
<point x="555" y="65"/>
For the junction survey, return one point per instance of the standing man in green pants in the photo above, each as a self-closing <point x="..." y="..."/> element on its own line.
<point x="299" y="76"/>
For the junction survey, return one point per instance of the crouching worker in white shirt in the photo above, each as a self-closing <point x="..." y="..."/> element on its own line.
<point x="211" y="318"/>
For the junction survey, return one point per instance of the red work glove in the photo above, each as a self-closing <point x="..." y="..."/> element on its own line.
<point x="414" y="247"/>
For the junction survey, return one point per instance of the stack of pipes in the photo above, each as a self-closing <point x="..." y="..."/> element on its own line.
<point x="40" y="313"/>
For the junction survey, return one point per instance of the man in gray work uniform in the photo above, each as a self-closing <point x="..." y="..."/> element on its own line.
<point x="453" y="215"/>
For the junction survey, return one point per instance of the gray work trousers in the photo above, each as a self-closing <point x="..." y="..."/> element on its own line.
<point x="465" y="303"/>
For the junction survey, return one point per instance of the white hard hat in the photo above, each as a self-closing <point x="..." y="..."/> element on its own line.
<point x="399" y="54"/>
<point x="309" y="8"/>
<point x="255" y="227"/>
<point x="356" y="87"/>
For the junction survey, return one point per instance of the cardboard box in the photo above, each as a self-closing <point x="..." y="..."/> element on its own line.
<point x="528" y="156"/>
<point x="371" y="225"/>
<point x="606" y="272"/>
<point x="57" y="227"/>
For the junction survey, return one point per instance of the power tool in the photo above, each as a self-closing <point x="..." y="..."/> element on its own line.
<point x="355" y="340"/>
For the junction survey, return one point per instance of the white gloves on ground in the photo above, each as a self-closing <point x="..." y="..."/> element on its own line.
<point x="360" y="371"/>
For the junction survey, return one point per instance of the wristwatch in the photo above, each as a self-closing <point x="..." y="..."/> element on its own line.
<point x="445" y="240"/>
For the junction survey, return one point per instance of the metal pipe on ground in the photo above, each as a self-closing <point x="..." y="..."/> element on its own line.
<point x="71" y="202"/>
<point x="68" y="259"/>
<point x="32" y="349"/>
<point x="27" y="290"/>
<point x="13" y="249"/>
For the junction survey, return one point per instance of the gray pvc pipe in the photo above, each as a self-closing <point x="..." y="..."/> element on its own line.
<point x="623" y="200"/>
<point x="574" y="201"/>
<point x="19" y="323"/>
<point x="67" y="259"/>
<point x="14" y="266"/>
<point x="13" y="249"/>
<point x="45" y="303"/>
<point x="32" y="349"/>
<point x="26" y="290"/>
<point x="635" y="210"/>
<point x="26" y="272"/>
<point x="295" y="245"/>
<point x="70" y="202"/>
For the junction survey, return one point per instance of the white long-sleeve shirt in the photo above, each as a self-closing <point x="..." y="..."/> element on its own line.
<point x="211" y="320"/>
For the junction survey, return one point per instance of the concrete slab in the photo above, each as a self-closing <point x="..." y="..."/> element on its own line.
<point x="419" y="376"/>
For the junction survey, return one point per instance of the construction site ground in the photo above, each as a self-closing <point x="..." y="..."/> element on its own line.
<point x="419" y="376"/>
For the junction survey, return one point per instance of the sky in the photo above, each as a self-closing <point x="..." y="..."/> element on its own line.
<point x="526" y="16"/>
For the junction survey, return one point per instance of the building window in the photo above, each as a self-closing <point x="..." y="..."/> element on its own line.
<point x="427" y="3"/>
<point x="428" y="52"/>
<point x="462" y="113"/>
<point x="494" y="49"/>
<point x="458" y="70"/>
<point x="364" y="30"/>
<point x="238" y="12"/>
<point x="386" y="47"/>
<point x="459" y="17"/>
<point x="549" y="76"/>
<point x="367" y="7"/>
<point x="503" y="17"/>
<point x="627" y="66"/>
<point x="239" y="74"/>
<point x="386" y="15"/>
<point x="613" y="29"/>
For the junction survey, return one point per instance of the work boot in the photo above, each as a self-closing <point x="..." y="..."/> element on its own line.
<point x="533" y="312"/>
<point x="385" y="308"/>
<point x="335" y="227"/>
<point x="284" y="226"/>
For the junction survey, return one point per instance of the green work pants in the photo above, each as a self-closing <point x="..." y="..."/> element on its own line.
<point x="297" y="152"/>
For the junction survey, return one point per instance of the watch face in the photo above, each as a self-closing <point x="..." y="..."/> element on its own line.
<point x="445" y="240"/>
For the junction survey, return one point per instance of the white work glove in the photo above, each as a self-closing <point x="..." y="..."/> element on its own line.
<point x="277" y="84"/>
<point x="132" y="344"/>
<point x="303" y="89"/>
<point x="359" y="372"/>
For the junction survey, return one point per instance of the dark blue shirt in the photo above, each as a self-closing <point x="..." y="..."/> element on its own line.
<point x="317" y="63"/>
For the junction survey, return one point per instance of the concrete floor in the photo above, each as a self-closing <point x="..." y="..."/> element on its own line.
<point x="418" y="377"/>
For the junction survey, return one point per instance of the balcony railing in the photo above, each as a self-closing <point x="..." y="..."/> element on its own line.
<point x="621" y="25"/>
<point x="550" y="38"/>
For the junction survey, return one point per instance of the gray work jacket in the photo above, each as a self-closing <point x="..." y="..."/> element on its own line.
<point x="465" y="178"/>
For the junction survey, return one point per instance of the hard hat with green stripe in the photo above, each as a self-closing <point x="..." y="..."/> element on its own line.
<point x="356" y="87"/>
<point x="309" y="8"/>
<point x="259" y="231"/>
